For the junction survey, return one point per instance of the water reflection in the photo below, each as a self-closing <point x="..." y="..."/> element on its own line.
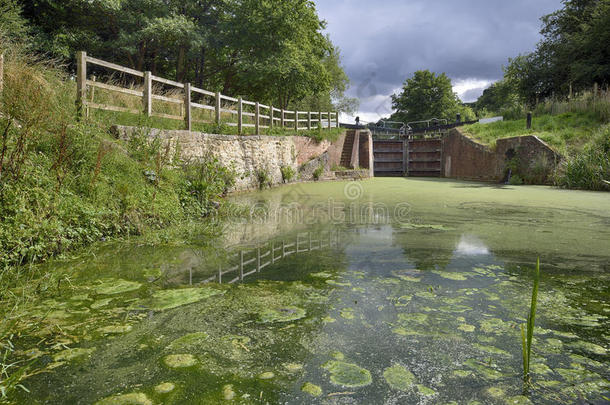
<point x="470" y="245"/>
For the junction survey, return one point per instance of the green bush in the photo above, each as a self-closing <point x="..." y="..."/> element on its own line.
<point x="287" y="173"/>
<point x="318" y="173"/>
<point x="589" y="170"/>
<point x="264" y="178"/>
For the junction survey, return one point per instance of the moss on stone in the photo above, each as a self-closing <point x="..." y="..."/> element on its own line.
<point x="347" y="375"/>
<point x="399" y="378"/>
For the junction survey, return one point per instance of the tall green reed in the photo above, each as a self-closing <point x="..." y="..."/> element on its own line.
<point x="527" y="336"/>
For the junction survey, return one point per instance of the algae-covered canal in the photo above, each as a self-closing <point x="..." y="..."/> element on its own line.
<point x="403" y="291"/>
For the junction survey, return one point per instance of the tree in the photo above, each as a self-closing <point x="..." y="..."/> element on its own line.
<point x="574" y="52"/>
<point x="272" y="51"/>
<point x="498" y="97"/>
<point x="427" y="95"/>
<point x="12" y="25"/>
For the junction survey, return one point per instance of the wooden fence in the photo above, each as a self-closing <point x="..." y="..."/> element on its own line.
<point x="261" y="116"/>
<point x="254" y="260"/>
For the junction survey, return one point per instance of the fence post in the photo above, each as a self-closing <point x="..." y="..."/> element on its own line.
<point x="283" y="248"/>
<point x="240" y="116"/>
<point x="220" y="274"/>
<point x="529" y="120"/>
<point x="296" y="120"/>
<point x="81" y="82"/>
<point x="217" y="108"/>
<point x="187" y="106"/>
<point x="329" y="121"/>
<point x="282" y="120"/>
<point x="320" y="119"/>
<point x="258" y="259"/>
<point x="147" y="99"/>
<point x="308" y="119"/>
<point x="270" y="116"/>
<point x="310" y="241"/>
<point x="241" y="264"/>
<point x="257" y="111"/>
<point x="1" y="73"/>
<point x="92" y="96"/>
<point x="273" y="252"/>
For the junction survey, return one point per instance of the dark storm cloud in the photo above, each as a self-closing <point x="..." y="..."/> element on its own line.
<point x="384" y="42"/>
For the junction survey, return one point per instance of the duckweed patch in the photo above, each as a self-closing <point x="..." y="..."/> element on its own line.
<point x="116" y="286"/>
<point x="168" y="299"/>
<point x="135" y="398"/>
<point x="73" y="354"/>
<point x="165" y="388"/>
<point x="347" y="375"/>
<point x="180" y="360"/>
<point x="399" y="378"/>
<point x="283" y="314"/>
<point x="312" y="389"/>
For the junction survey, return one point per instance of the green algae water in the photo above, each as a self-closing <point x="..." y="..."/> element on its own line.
<point x="385" y="291"/>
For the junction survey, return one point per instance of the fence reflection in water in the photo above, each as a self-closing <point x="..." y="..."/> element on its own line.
<point x="253" y="260"/>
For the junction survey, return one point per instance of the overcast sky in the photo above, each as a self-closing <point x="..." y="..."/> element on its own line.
<point x="383" y="42"/>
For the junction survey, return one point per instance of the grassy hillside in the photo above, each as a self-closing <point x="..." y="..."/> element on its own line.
<point x="578" y="129"/>
<point x="65" y="183"/>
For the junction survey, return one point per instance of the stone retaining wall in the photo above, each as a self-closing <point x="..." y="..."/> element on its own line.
<point x="246" y="154"/>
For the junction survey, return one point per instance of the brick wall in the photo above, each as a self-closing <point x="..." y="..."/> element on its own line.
<point x="464" y="158"/>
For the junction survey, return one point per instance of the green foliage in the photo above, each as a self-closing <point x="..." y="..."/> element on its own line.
<point x="288" y="173"/>
<point x="317" y="174"/>
<point x="427" y="95"/>
<point x="526" y="339"/>
<point x="271" y="51"/>
<point x="264" y="178"/>
<point x="589" y="170"/>
<point x="499" y="98"/>
<point x="12" y="24"/>
<point x="65" y="184"/>
<point x="574" y="52"/>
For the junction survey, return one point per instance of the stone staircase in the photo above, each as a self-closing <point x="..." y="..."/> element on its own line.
<point x="348" y="145"/>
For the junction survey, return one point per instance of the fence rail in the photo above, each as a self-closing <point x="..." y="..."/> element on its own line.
<point x="247" y="262"/>
<point x="260" y="116"/>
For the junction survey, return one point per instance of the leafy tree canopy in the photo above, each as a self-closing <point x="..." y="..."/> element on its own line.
<point x="574" y="51"/>
<point x="428" y="95"/>
<point x="273" y="51"/>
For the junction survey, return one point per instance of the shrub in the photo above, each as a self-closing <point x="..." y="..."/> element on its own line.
<point x="318" y="173"/>
<point x="264" y="178"/>
<point x="589" y="170"/>
<point x="287" y="173"/>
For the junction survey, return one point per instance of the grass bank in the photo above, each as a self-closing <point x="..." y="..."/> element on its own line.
<point x="579" y="129"/>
